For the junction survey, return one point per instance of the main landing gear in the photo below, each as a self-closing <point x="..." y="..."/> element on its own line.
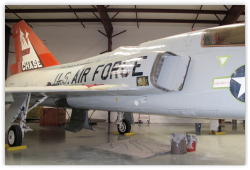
<point x="123" y="125"/>
<point x="15" y="137"/>
<point x="15" y="133"/>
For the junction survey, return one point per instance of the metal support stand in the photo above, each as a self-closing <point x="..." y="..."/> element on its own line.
<point x="234" y="124"/>
<point x="214" y="125"/>
<point x="109" y="117"/>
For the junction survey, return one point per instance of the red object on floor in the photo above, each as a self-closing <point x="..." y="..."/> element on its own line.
<point x="194" y="147"/>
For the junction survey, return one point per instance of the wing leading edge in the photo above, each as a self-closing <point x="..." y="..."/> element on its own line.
<point x="80" y="90"/>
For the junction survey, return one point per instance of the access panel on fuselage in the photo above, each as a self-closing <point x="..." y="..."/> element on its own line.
<point x="170" y="71"/>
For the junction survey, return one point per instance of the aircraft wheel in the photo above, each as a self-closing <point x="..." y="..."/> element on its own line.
<point x="124" y="127"/>
<point x="15" y="136"/>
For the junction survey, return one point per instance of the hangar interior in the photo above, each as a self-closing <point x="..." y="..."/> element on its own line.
<point x="77" y="32"/>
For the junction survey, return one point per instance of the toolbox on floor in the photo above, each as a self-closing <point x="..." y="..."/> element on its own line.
<point x="52" y="117"/>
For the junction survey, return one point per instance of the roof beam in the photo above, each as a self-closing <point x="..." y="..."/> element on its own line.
<point x="105" y="20"/>
<point x="18" y="16"/>
<point x="49" y="10"/>
<point x="117" y="20"/>
<point x="196" y="18"/>
<point x="136" y="17"/>
<point x="76" y="16"/>
<point x="233" y="14"/>
<point x="106" y="23"/>
<point x="115" y="15"/>
<point x="118" y="10"/>
<point x="226" y="7"/>
<point x="168" y="11"/>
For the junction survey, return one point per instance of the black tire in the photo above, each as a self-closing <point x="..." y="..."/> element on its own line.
<point x="125" y="128"/>
<point x="15" y="136"/>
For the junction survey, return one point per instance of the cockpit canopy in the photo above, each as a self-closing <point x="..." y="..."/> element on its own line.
<point x="230" y="35"/>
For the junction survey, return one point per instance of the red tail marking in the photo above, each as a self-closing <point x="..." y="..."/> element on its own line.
<point x="24" y="35"/>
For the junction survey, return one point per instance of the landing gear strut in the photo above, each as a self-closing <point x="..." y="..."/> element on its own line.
<point x="123" y="125"/>
<point x="15" y="133"/>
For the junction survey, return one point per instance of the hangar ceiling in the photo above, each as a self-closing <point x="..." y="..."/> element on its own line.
<point x="132" y="15"/>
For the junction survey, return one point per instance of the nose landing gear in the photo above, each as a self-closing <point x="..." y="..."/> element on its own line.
<point x="123" y="125"/>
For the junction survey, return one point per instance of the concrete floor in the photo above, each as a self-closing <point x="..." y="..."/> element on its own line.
<point x="53" y="146"/>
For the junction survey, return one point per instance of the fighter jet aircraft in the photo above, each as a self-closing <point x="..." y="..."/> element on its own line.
<point x="199" y="74"/>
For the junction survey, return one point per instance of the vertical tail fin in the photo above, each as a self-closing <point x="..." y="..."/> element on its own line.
<point x="30" y="51"/>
